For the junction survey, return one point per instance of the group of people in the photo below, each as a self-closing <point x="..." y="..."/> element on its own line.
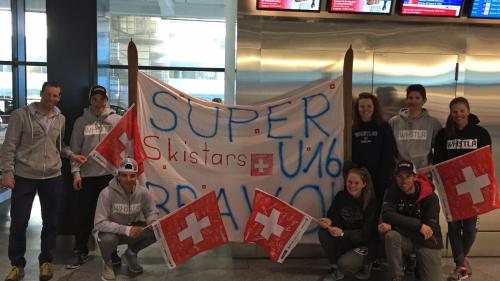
<point x="115" y="210"/>
<point x="388" y="198"/>
<point x="388" y="207"/>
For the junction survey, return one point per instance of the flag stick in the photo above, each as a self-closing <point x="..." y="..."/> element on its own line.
<point x="133" y="69"/>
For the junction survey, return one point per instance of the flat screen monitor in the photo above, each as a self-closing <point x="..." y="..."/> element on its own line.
<point x="289" y="5"/>
<point x="488" y="9"/>
<point x="438" y="8"/>
<point x="360" y="6"/>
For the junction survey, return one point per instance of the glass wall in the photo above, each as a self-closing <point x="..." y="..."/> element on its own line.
<point x="5" y="66"/>
<point x="36" y="48"/>
<point x="182" y="45"/>
<point x="5" y="59"/>
<point x="20" y="81"/>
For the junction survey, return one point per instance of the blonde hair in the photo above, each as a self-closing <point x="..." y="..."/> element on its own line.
<point x="368" y="192"/>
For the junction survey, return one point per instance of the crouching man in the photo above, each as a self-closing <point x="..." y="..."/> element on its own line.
<point x="410" y="224"/>
<point x="119" y="218"/>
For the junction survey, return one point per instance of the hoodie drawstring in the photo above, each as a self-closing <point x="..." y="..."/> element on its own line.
<point x="31" y="125"/>
<point x="60" y="133"/>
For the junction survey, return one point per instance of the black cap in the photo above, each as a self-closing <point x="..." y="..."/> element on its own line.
<point x="98" y="90"/>
<point x="405" y="166"/>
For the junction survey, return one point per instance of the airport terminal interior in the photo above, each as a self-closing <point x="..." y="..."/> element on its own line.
<point x="245" y="52"/>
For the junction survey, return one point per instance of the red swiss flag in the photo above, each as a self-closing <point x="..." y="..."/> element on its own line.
<point x="467" y="184"/>
<point x="190" y="230"/>
<point x="123" y="141"/>
<point x="275" y="226"/>
<point x="261" y="164"/>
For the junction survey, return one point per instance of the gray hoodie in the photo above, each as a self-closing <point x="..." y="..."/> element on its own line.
<point x="88" y="131"/>
<point x="30" y="150"/>
<point x="415" y="136"/>
<point x="117" y="211"/>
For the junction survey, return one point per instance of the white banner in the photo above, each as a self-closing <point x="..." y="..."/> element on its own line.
<point x="291" y="148"/>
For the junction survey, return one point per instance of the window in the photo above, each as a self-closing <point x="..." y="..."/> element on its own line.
<point x="5" y="33"/>
<point x="5" y="61"/>
<point x="23" y="55"/>
<point x="36" y="48"/>
<point x="181" y="46"/>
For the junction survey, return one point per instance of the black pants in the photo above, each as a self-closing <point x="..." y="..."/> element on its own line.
<point x="86" y="204"/>
<point x="108" y="242"/>
<point x="21" y="202"/>
<point x="348" y="257"/>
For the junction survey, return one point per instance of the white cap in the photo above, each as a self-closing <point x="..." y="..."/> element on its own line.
<point x="128" y="165"/>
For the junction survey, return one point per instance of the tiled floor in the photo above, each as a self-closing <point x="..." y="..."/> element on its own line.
<point x="214" y="265"/>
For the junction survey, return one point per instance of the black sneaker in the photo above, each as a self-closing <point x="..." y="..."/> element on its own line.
<point x="115" y="259"/>
<point x="411" y="264"/>
<point x="333" y="275"/>
<point x="78" y="260"/>
<point x="376" y="266"/>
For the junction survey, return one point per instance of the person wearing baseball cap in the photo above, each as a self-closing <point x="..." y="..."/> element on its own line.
<point x="90" y="178"/>
<point x="410" y="224"/>
<point x="121" y="207"/>
<point x="98" y="90"/>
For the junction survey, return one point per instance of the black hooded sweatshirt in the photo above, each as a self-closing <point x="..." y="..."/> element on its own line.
<point x="470" y="138"/>
<point x="346" y="213"/>
<point x="374" y="148"/>
<point x="406" y="213"/>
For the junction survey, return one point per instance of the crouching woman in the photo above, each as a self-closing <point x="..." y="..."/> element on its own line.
<point x="347" y="234"/>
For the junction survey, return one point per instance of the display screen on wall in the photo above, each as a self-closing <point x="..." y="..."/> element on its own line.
<point x="289" y="5"/>
<point x="439" y="8"/>
<point x="360" y="6"/>
<point x="489" y="9"/>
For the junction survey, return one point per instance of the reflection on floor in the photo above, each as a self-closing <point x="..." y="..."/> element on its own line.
<point x="214" y="265"/>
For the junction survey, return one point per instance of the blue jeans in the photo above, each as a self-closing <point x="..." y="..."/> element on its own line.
<point x="462" y="235"/>
<point x="23" y="195"/>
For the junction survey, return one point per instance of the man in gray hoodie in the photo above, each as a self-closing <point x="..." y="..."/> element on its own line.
<point x="90" y="179"/>
<point x="31" y="164"/>
<point x="415" y="130"/>
<point x="119" y="218"/>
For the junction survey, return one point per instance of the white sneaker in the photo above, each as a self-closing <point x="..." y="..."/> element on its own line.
<point x="107" y="271"/>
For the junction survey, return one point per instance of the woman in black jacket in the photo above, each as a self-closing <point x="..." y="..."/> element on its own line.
<point x="461" y="135"/>
<point x="373" y="144"/>
<point x="347" y="233"/>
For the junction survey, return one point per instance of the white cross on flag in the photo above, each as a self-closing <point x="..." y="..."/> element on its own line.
<point x="275" y="226"/>
<point x="467" y="184"/>
<point x="123" y="141"/>
<point x="190" y="230"/>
